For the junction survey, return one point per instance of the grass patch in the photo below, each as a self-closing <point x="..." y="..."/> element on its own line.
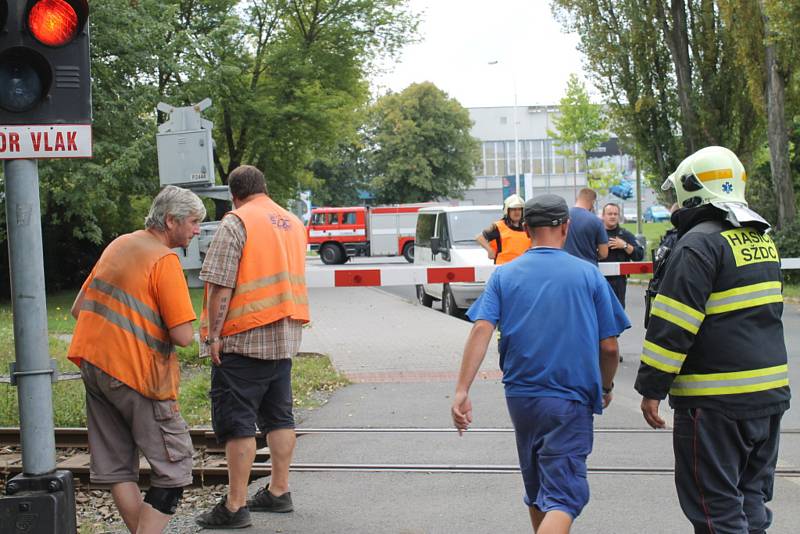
<point x="653" y="232"/>
<point x="313" y="377"/>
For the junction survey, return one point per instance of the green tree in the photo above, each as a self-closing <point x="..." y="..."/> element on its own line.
<point x="767" y="53"/>
<point x="580" y="122"/>
<point x="419" y="146"/>
<point x="668" y="75"/>
<point x="338" y="181"/>
<point x="287" y="78"/>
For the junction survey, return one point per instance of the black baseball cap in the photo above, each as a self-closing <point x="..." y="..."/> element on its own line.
<point x="546" y="210"/>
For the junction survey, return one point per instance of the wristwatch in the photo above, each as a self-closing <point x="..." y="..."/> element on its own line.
<point x="606" y="390"/>
<point x="211" y="340"/>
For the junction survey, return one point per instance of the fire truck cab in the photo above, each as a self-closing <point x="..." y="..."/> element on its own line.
<point x="341" y="233"/>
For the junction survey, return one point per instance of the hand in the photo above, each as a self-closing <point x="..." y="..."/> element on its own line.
<point x="461" y="411"/>
<point x="650" y="413"/>
<point x="607" y="398"/>
<point x="491" y="254"/>
<point x="213" y="349"/>
<point x="617" y="243"/>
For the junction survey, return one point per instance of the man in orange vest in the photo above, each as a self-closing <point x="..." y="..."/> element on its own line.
<point x="506" y="239"/>
<point x="132" y="310"/>
<point x="256" y="303"/>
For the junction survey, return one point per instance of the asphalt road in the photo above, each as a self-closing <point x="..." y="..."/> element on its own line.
<point x="631" y="340"/>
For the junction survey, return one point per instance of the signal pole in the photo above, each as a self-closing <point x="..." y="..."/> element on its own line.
<point x="45" y="112"/>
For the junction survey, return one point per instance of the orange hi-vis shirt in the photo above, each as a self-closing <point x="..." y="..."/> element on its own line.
<point x="271" y="282"/>
<point x="515" y="243"/>
<point x="133" y="296"/>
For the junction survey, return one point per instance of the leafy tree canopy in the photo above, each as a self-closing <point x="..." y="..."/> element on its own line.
<point x="419" y="146"/>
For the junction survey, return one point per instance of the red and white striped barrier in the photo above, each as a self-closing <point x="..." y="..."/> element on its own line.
<point x="409" y="275"/>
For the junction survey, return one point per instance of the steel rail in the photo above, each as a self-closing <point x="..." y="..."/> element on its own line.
<point x="401" y="430"/>
<point x="482" y="469"/>
<point x="76" y="437"/>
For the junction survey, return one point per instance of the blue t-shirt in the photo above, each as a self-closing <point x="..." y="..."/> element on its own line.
<point x="586" y="232"/>
<point x="552" y="310"/>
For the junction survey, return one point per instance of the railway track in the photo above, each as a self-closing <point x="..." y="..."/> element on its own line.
<point x="211" y="468"/>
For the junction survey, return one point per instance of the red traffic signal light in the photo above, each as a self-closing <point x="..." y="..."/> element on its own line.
<point x="44" y="62"/>
<point x="56" y="22"/>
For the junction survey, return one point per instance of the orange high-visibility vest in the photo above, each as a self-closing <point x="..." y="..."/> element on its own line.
<point x="514" y="243"/>
<point x="271" y="282"/>
<point x="120" y="329"/>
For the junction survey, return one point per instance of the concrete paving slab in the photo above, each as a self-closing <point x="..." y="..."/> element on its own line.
<point x="366" y="331"/>
<point x="418" y="503"/>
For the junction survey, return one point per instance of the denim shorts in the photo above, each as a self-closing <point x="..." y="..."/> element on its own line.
<point x="247" y="393"/>
<point x="554" y="437"/>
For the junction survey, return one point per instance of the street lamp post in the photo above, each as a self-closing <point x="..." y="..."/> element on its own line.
<point x="516" y="131"/>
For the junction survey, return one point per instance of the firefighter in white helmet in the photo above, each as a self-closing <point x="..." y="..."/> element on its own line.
<point x="715" y="345"/>
<point x="505" y="239"/>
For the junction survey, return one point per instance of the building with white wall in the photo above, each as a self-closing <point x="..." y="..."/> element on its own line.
<point x="543" y="167"/>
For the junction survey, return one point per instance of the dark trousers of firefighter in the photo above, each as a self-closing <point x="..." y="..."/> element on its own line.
<point x="725" y="470"/>
<point x="618" y="285"/>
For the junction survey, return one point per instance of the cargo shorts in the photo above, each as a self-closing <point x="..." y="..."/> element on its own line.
<point x="122" y="422"/>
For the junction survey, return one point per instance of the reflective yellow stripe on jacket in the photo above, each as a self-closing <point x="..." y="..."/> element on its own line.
<point x="677" y="313"/>
<point x="739" y="298"/>
<point x="731" y="383"/>
<point x="663" y="359"/>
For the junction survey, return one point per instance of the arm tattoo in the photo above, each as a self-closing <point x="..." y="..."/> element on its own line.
<point x="222" y="312"/>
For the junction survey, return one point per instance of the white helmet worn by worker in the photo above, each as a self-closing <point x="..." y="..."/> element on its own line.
<point x="513" y="201"/>
<point x="713" y="175"/>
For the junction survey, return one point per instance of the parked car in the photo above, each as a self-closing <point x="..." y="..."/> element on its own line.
<point x="622" y="189"/>
<point x="656" y="214"/>
<point x="629" y="215"/>
<point x="445" y="237"/>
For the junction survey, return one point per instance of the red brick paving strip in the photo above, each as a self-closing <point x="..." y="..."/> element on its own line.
<point x="416" y="376"/>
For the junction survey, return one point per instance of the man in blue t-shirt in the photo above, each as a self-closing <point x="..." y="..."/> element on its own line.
<point x="558" y="354"/>
<point x="587" y="238"/>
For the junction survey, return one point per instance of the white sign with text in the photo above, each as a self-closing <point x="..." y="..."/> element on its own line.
<point x="46" y="141"/>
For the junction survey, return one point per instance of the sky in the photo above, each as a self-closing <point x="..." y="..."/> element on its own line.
<point x="459" y="38"/>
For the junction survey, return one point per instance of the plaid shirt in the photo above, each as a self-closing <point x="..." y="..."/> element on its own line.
<point x="274" y="341"/>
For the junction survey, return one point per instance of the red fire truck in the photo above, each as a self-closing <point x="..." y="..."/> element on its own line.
<point x="341" y="233"/>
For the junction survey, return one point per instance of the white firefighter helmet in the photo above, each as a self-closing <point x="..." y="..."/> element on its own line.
<point x="712" y="175"/>
<point x="512" y="201"/>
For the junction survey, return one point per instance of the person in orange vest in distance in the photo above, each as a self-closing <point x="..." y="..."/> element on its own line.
<point x="132" y="310"/>
<point x="255" y="305"/>
<point x="505" y="239"/>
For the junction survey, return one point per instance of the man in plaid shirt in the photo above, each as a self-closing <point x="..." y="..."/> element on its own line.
<point x="255" y="306"/>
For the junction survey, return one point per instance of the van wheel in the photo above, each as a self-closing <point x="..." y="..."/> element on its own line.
<point x="331" y="254"/>
<point x="423" y="298"/>
<point x="408" y="252"/>
<point x="449" y="302"/>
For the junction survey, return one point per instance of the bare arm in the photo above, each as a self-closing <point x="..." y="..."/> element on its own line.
<point x="474" y="353"/>
<point x="219" y="299"/>
<point x="609" y="361"/>
<point x="485" y="244"/>
<point x="182" y="335"/>
<point x="602" y="251"/>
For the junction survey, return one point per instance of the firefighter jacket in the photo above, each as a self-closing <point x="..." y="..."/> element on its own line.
<point x="270" y="282"/>
<point x="513" y="243"/>
<point x="715" y="336"/>
<point x="120" y="327"/>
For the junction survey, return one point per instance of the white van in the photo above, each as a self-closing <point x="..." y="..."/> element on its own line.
<point x="445" y="237"/>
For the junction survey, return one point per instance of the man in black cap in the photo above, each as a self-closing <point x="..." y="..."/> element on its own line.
<point x="553" y="383"/>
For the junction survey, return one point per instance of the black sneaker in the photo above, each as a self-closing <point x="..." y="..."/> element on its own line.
<point x="220" y="517"/>
<point x="264" y="501"/>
